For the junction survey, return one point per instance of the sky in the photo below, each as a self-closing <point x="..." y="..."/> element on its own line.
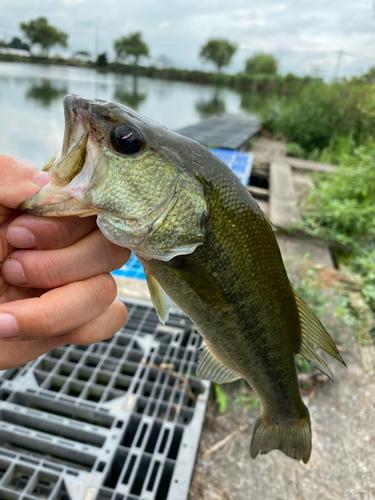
<point x="305" y="36"/>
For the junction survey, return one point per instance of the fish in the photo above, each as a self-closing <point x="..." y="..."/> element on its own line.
<point x="205" y="245"/>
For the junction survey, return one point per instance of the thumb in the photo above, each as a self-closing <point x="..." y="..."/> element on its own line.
<point x="18" y="181"/>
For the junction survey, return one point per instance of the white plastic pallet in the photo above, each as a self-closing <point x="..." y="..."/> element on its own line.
<point x="107" y="421"/>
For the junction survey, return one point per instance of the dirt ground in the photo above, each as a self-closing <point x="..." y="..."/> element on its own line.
<point x="342" y="464"/>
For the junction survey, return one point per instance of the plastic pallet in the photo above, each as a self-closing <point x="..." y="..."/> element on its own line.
<point x="117" y="420"/>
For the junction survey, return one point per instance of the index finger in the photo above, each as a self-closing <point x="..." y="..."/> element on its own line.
<point x="18" y="181"/>
<point x="43" y="233"/>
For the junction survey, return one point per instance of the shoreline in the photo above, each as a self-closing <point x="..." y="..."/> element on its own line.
<point x="241" y="82"/>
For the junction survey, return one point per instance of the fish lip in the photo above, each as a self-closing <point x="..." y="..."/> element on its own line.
<point x="76" y="112"/>
<point x="57" y="196"/>
<point x="52" y="201"/>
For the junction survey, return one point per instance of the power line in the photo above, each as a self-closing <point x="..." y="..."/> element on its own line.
<point x="356" y="55"/>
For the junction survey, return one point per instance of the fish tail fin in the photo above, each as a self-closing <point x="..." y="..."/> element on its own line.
<point x="293" y="439"/>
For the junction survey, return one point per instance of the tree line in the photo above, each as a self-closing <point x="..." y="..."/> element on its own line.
<point x="132" y="48"/>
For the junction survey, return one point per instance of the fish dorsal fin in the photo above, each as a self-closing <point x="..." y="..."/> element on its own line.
<point x="313" y="334"/>
<point x="210" y="368"/>
<point x="272" y="230"/>
<point x="160" y="299"/>
<point x="269" y="222"/>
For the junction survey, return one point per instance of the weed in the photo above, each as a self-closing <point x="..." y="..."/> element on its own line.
<point x="221" y="398"/>
<point x="294" y="149"/>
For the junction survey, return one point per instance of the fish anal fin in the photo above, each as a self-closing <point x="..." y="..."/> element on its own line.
<point x="314" y="335"/>
<point x="210" y="368"/>
<point x="160" y="299"/>
<point x="293" y="439"/>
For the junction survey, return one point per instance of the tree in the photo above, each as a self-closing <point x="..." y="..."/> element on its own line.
<point x="102" y="60"/>
<point x="369" y="77"/>
<point x="261" y="64"/>
<point x="218" y="51"/>
<point x="131" y="45"/>
<point x="17" y="43"/>
<point x="39" y="31"/>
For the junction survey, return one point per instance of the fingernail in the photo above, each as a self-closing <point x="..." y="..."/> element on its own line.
<point x="13" y="272"/>
<point x="8" y="326"/>
<point x="41" y="178"/>
<point x="20" y="237"/>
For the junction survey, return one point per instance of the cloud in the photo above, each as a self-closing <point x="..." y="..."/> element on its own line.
<point x="301" y="33"/>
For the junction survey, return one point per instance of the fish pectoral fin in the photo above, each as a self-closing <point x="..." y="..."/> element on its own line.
<point x="201" y="281"/>
<point x="313" y="335"/>
<point x="210" y="368"/>
<point x="162" y="302"/>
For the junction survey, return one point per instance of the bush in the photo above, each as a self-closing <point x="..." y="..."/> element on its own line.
<point x="317" y="113"/>
<point x="341" y="208"/>
<point x="294" y="149"/>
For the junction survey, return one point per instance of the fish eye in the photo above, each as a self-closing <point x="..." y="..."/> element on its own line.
<point x="126" y="139"/>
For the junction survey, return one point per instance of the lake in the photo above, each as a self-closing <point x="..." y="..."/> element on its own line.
<point x="32" y="118"/>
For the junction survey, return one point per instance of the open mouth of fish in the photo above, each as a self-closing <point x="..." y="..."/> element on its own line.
<point x="75" y="168"/>
<point x="69" y="170"/>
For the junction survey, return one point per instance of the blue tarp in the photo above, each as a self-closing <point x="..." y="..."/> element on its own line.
<point x="238" y="161"/>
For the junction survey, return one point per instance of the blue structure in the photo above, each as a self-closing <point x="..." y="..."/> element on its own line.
<point x="238" y="161"/>
<point x="132" y="269"/>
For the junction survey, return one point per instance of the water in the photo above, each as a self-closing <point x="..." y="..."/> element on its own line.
<point x="32" y="120"/>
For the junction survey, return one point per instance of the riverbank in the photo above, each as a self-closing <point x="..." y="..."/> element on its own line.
<point x="263" y="84"/>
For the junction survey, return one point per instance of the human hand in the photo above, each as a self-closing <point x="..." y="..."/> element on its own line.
<point x="55" y="286"/>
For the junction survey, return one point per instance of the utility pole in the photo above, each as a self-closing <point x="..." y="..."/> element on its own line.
<point x="338" y="64"/>
<point x="97" y="41"/>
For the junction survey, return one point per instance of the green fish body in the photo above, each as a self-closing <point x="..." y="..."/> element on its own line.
<point x="204" y="243"/>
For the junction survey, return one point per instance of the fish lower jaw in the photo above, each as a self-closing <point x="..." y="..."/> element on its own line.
<point x="53" y="201"/>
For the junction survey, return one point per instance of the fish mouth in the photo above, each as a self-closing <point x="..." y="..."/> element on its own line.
<point x="77" y="168"/>
<point x="69" y="171"/>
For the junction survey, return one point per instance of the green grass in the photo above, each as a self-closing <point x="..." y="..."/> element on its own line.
<point x="221" y="398"/>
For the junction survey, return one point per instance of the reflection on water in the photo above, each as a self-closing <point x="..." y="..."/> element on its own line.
<point x="46" y="92"/>
<point x="32" y="118"/>
<point x="133" y="98"/>
<point x="255" y="103"/>
<point x="212" y="106"/>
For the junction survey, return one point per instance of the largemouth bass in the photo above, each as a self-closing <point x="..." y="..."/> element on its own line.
<point x="204" y="243"/>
